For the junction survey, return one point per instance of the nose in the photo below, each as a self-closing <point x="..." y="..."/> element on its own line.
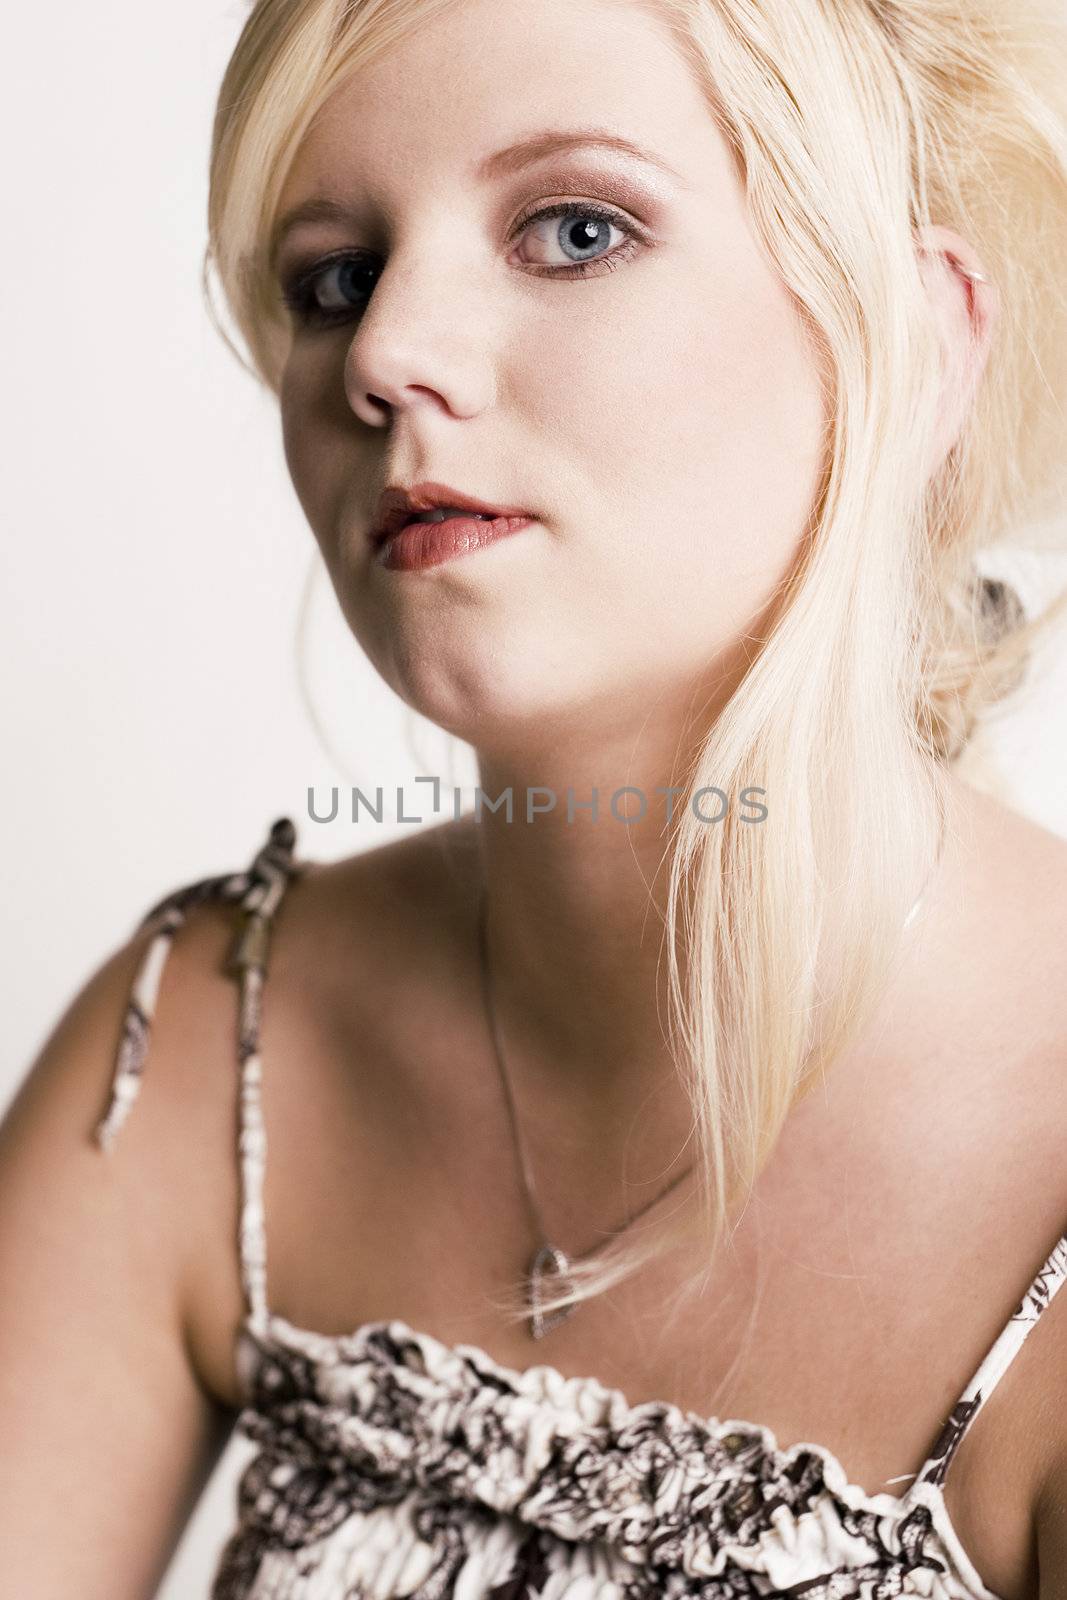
<point x="424" y="341"/>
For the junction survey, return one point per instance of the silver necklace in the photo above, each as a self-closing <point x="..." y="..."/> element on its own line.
<point x="548" y="1261"/>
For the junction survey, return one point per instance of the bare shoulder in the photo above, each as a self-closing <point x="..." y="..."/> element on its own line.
<point x="96" y="1254"/>
<point x="366" y="959"/>
<point x="1021" y="907"/>
<point x="1025" y="840"/>
<point x="358" y="930"/>
<point x="1021" y="904"/>
<point x="1023" y="858"/>
<point x="416" y="884"/>
<point x="1011" y="882"/>
<point x="64" y="1094"/>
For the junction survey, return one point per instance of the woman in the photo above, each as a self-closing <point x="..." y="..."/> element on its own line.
<point x="642" y="1147"/>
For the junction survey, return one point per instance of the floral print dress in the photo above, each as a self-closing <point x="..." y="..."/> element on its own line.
<point x="390" y="1464"/>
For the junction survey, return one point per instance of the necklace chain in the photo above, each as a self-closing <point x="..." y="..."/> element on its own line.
<point x="549" y="1260"/>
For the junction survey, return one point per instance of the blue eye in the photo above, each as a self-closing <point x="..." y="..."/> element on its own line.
<point x="320" y="295"/>
<point x="338" y="286"/>
<point x="588" y="228"/>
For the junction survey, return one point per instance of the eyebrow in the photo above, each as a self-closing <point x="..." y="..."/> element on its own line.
<point x="503" y="163"/>
<point x="553" y="141"/>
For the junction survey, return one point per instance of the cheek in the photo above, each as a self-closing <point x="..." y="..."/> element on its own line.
<point x="697" y="436"/>
<point x="316" y="436"/>
<point x="746" y="435"/>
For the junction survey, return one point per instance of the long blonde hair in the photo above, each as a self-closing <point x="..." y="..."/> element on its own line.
<point x="853" y="123"/>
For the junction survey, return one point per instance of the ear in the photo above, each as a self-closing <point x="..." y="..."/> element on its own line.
<point x="967" y="314"/>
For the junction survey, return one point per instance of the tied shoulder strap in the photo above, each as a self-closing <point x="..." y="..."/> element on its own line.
<point x="258" y="891"/>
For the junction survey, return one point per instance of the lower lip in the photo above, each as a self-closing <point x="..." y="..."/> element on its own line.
<point x="428" y="544"/>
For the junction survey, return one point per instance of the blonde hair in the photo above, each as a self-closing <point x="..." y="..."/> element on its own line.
<point x="853" y="123"/>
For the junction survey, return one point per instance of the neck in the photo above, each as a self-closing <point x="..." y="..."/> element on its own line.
<point x="575" y="923"/>
<point x="575" y="916"/>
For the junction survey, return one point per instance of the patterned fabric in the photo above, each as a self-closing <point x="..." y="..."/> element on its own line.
<point x="391" y="1464"/>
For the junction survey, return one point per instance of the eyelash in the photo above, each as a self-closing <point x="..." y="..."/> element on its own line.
<point x="298" y="293"/>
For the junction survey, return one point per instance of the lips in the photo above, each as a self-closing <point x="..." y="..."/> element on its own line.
<point x="400" y="505"/>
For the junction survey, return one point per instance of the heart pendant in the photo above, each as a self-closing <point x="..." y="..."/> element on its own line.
<point x="549" y="1262"/>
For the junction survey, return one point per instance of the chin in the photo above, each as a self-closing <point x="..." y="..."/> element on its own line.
<point x="492" y="697"/>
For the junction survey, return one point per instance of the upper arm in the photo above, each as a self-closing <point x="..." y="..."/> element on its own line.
<point x="1051" y="1504"/>
<point x="1052" y="1531"/>
<point x="108" y="1433"/>
<point x="1050" y="1507"/>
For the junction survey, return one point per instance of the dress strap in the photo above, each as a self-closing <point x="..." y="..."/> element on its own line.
<point x="248" y="963"/>
<point x="1049" y="1280"/>
<point x="258" y="892"/>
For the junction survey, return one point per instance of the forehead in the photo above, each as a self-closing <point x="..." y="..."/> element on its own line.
<point x="443" y="103"/>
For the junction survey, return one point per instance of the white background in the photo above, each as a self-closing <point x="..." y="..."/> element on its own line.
<point x="154" y="557"/>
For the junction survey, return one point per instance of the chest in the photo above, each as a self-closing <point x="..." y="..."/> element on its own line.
<point x="889" y="1239"/>
<point x="851" y="1315"/>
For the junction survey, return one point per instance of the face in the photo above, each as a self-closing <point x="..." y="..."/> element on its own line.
<point x="630" y="372"/>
